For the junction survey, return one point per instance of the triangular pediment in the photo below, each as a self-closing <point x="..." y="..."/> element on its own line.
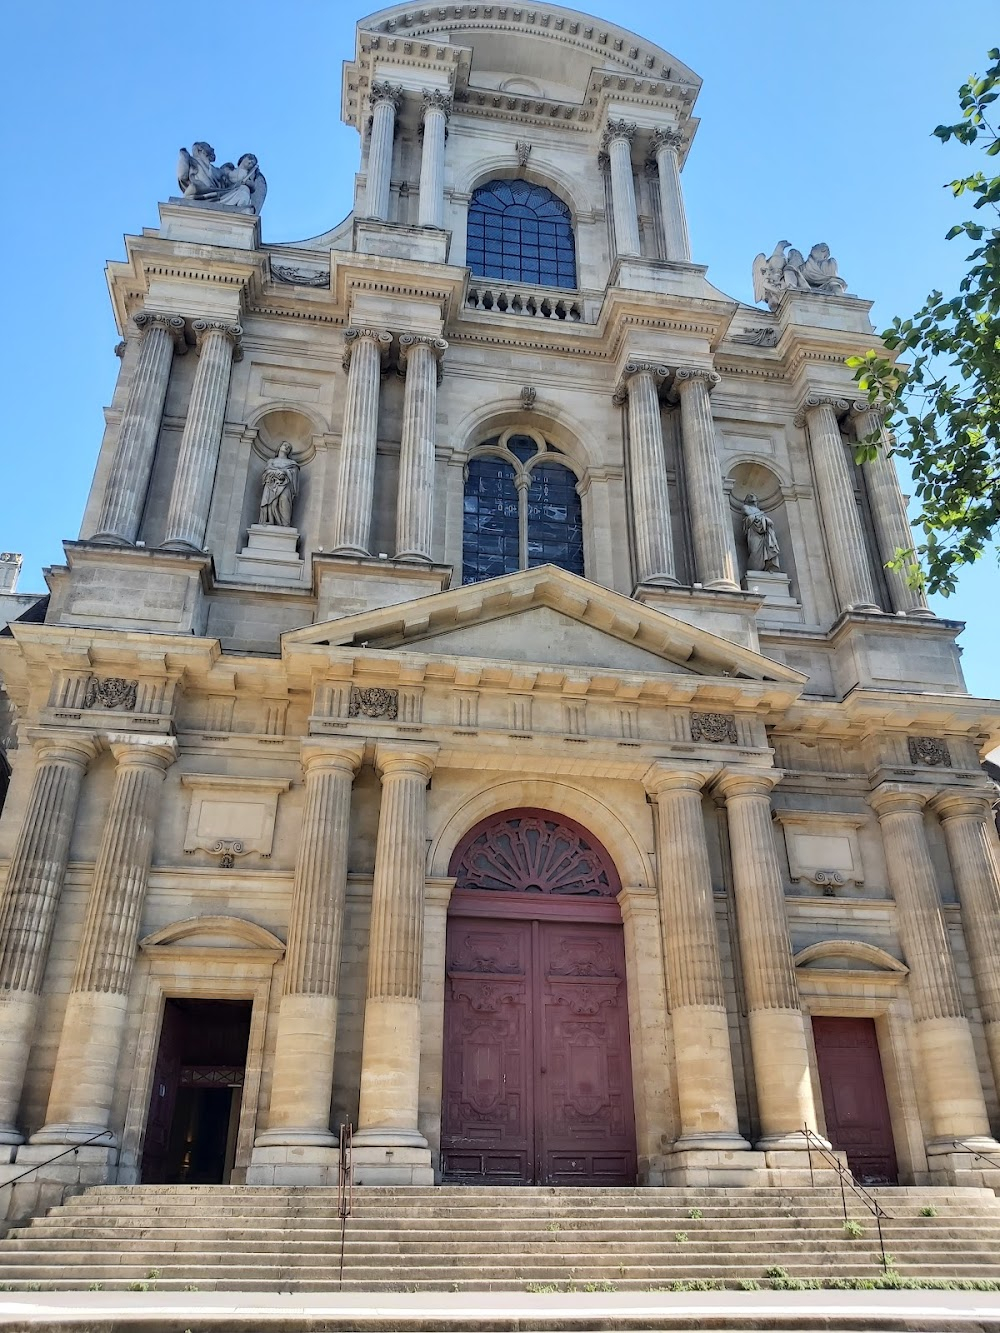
<point x="546" y="616"/>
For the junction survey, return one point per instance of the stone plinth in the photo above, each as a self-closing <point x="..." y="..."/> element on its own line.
<point x="346" y="584"/>
<point x="732" y="615"/>
<point x="130" y="588"/>
<point x="773" y="586"/>
<point x="209" y="224"/>
<point x="271" y="555"/>
<point x="388" y="239"/>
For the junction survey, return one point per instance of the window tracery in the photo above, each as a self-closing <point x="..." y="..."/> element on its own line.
<point x="521" y="232"/>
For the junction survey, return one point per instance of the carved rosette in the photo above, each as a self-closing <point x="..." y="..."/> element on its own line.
<point x="111" y="692"/>
<point x="381" y="337"/>
<point x="929" y="750"/>
<point x="659" y="372"/>
<point x="172" y="324"/>
<point x="618" y="129"/>
<point x="438" y="346"/>
<point x="384" y="91"/>
<point x="716" y="728"/>
<point x="206" y="328"/>
<point x="373" y="702"/>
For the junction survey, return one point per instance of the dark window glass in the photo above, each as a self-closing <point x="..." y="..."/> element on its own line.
<point x="521" y="233"/>
<point x="555" y="526"/>
<point x="490" y="540"/>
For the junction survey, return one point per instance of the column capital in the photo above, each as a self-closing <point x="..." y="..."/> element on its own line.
<point x="960" y="803"/>
<point x="67" y="747"/>
<point x="233" y="332"/>
<point x="669" y="139"/>
<point x="666" y="775"/>
<point x="436" y="99"/>
<point x="146" y="320"/>
<point x="406" y="758"/>
<point x="383" y="91"/>
<point x="758" y="782"/>
<point x="408" y="341"/>
<point x="859" y="406"/>
<point x="685" y="375"/>
<point x="895" y="798"/>
<point x="813" y="401"/>
<point x="619" y="129"/>
<point x="134" y="750"/>
<point x="318" y="753"/>
<point x="382" y="339"/>
<point x="659" y="372"/>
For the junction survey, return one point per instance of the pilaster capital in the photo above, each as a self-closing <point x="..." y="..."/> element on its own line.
<point x="233" y="333"/>
<point x="666" y="775"/>
<point x="406" y="759"/>
<point x="958" y="803"/>
<point x="619" y="129"/>
<point x="63" y="747"/>
<point x="382" y="339"/>
<point x="135" y="750"/>
<point x="687" y="375"/>
<point x="895" y="798"/>
<point x="437" y="347"/>
<point x="147" y="320"/>
<point x="384" y="91"/>
<point x="812" y="402"/>
<point x="667" y="139"/>
<point x="657" y="371"/>
<point x="435" y="99"/>
<point x="322" y="754"/>
<point x="754" y="782"/>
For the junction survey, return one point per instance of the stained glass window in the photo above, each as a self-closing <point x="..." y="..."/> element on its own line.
<point x="519" y="232"/>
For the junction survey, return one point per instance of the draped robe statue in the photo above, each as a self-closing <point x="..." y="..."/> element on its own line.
<point x="280" y="487"/>
<point x="762" y="537"/>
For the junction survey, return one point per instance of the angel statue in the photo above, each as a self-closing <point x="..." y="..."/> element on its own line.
<point x="241" y="187"/>
<point x="777" y="273"/>
<point x="280" y="487"/>
<point x="762" y="537"/>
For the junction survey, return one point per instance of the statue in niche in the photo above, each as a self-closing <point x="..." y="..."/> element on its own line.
<point x="762" y="537"/>
<point x="280" y="487"/>
<point x="241" y="187"/>
<point x="777" y="273"/>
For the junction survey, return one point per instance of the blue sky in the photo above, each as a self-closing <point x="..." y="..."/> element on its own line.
<point x="816" y="125"/>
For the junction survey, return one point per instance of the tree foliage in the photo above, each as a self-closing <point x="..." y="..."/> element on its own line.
<point x="945" y="409"/>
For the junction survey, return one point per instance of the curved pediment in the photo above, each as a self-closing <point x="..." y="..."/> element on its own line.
<point x="849" y="956"/>
<point x="196" y="933"/>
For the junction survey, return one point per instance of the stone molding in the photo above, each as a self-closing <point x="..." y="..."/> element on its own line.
<point x="382" y="339"/>
<point x="203" y="328"/>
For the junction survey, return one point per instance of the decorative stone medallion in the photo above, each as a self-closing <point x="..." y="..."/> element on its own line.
<point x="111" y="692"/>
<point x="373" y="702"/>
<point x="717" y="728"/>
<point x="928" y="750"/>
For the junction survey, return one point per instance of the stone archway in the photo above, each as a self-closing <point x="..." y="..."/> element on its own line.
<point x="537" y="1070"/>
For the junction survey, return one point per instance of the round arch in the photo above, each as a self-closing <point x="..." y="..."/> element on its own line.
<point x="528" y="850"/>
<point x="559" y="426"/>
<point x="541" y="172"/>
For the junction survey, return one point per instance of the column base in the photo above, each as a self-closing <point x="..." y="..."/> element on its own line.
<point x="717" y="1167"/>
<point x="391" y="1157"/>
<point x="73" y="1135"/>
<point x="293" y="1164"/>
<point x="296" y="1138"/>
<point x="973" y="1161"/>
<point x="10" y="1137"/>
<point x="85" y="1163"/>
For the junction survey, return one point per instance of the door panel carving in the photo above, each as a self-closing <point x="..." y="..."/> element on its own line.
<point x="854" y="1100"/>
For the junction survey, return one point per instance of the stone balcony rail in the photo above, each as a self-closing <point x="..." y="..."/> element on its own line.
<point x="540" y="302"/>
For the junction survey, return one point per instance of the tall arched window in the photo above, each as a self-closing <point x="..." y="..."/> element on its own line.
<point x="521" y="509"/>
<point x="520" y="232"/>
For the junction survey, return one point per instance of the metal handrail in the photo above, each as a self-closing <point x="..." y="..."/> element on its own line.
<point x="105" y="1133"/>
<point x="977" y="1152"/>
<point x="345" y="1186"/>
<point x="846" y="1177"/>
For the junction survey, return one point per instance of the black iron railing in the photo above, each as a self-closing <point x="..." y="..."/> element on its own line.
<point x="345" y="1186"/>
<point x="104" y="1134"/>
<point x="977" y="1152"/>
<point x="847" y="1182"/>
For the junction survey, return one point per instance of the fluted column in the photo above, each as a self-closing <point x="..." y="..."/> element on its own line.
<point x="711" y="525"/>
<point x="892" y="526"/>
<point x="852" y="578"/>
<point x="777" y="1024"/>
<point x="617" y="143"/>
<point x="191" y="494"/>
<point x="436" y="112"/>
<point x="302" y="1077"/>
<point x="387" y="1135"/>
<point x="128" y="481"/>
<point x="647" y="473"/>
<point x="30" y="902"/>
<point x="83" y="1083"/>
<point x="666" y="147"/>
<point x="696" y="994"/>
<point x="971" y="836"/>
<point x="386" y="99"/>
<point x="949" y="1074"/>
<point x="420" y="361"/>
<point x="365" y="351"/>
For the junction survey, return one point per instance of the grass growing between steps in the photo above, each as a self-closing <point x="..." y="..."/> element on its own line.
<point x="778" y="1279"/>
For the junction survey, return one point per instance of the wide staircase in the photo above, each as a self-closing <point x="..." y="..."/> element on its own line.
<point x="230" y="1238"/>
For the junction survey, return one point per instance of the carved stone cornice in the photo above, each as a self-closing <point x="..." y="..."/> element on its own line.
<point x="438" y="347"/>
<point x="172" y="324"/>
<point x="814" y="400"/>
<point x="233" y="332"/>
<point x="659" y="372"/>
<point x="619" y="129"/>
<point x="382" y="339"/>
<point x="384" y="91"/>
<point x="671" y="139"/>
<point x="436" y="100"/>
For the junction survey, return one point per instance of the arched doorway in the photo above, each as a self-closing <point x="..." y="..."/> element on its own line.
<point x="537" y="1071"/>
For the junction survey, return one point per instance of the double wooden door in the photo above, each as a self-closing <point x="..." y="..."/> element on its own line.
<point x="854" y="1101"/>
<point x="537" y="1074"/>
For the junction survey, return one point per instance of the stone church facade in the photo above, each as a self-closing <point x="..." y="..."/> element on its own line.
<point x="477" y="707"/>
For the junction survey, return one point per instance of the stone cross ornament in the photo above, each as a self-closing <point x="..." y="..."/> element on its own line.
<point x="780" y="272"/>
<point x="241" y="187"/>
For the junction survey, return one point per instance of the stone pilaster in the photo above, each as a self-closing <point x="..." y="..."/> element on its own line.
<point x="617" y="143"/>
<point x="388" y="1146"/>
<point x="435" y="115"/>
<point x="365" y="352"/>
<point x="420" y="360"/>
<point x="386" y="99"/>
<point x="666" y="147"/>
<point x="777" y="1024"/>
<point x="845" y="541"/>
<point x="191" y="494"/>
<point x="302" y="1078"/>
<point x="83" y="1082"/>
<point x="949" y="1075"/>
<point x="971" y="835"/>
<point x="711" y="526"/>
<point x="892" y="526"/>
<point x="696" y="995"/>
<point x="135" y="451"/>
<point x="30" y="901"/>
<point x="647" y="475"/>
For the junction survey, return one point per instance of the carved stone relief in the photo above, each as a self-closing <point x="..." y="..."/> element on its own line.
<point x="374" y="702"/>
<point x="111" y="692"/>
<point x="928" y="750"/>
<point x="716" y="728"/>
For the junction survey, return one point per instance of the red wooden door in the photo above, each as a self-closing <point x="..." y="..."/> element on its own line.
<point x="854" y="1100"/>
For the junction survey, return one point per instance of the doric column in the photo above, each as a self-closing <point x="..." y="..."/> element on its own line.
<point x="390" y="1062"/>
<point x="125" y="493"/>
<point x="434" y="118"/>
<point x="302" y="1078"/>
<point x="971" y="835"/>
<point x="365" y="352"/>
<point x="666" y="147"/>
<point x="892" y="526"/>
<point x="711" y="526"/>
<point x="386" y="99"/>
<point x="777" y="1024"/>
<point x="83" y="1083"/>
<point x="845" y="541"/>
<point x="647" y="472"/>
<point x="30" y="901"/>
<point x="191" y="494"/>
<point x="420" y="361"/>
<point x="617" y="143"/>
<point x="949" y="1075"/>
<point x="696" y="995"/>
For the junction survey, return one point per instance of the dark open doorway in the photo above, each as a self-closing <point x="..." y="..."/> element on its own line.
<point x="194" y="1105"/>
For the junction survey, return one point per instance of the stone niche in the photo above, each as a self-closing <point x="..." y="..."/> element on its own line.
<point x="268" y="553"/>
<point x="778" y="588"/>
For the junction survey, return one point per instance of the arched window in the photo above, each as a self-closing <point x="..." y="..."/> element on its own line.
<point x="520" y="232"/>
<point x="521" y="509"/>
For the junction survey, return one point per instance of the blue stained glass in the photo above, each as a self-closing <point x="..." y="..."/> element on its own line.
<point x="506" y="229"/>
